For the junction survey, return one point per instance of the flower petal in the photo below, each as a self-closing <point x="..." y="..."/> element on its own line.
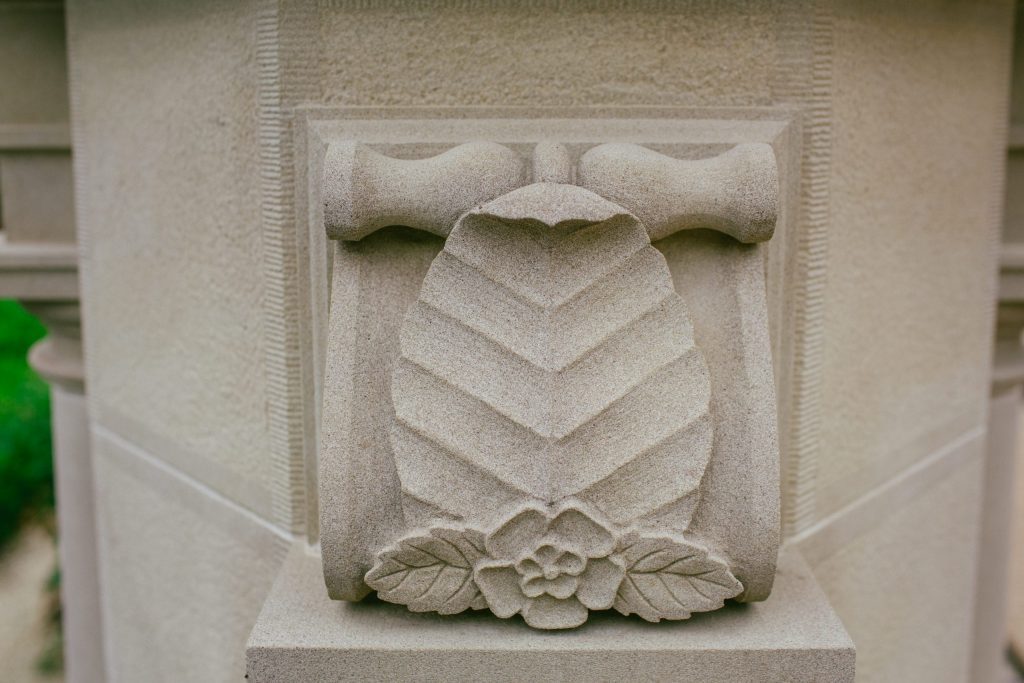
<point x="571" y="563"/>
<point x="518" y="535"/>
<point x="548" y="612"/>
<point x="546" y="554"/>
<point x="575" y="529"/>
<point x="500" y="585"/>
<point x="599" y="583"/>
<point x="529" y="567"/>
<point x="532" y="586"/>
<point x="561" y="586"/>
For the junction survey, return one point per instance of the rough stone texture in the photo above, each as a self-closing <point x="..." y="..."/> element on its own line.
<point x="534" y="368"/>
<point x="912" y="92"/>
<point x="736" y="192"/>
<point x="554" y="53"/>
<point x="173" y="235"/>
<point x="906" y="372"/>
<point x="903" y="585"/>
<point x="301" y="635"/>
<point x="421" y="133"/>
<point x="184" y="573"/>
<point x="367" y="191"/>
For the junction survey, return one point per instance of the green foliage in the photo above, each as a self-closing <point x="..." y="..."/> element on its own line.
<point x="51" y="660"/>
<point x="26" y="466"/>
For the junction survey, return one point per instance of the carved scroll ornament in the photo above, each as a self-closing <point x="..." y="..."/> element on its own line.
<point x="552" y="411"/>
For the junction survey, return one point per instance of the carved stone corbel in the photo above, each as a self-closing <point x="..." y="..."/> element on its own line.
<point x="555" y="421"/>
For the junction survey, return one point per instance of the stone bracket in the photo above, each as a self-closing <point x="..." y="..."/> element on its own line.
<point x="423" y="169"/>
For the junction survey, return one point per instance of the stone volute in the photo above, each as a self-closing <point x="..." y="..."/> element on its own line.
<point x="562" y="438"/>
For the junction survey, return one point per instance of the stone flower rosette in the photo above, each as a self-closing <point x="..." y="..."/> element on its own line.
<point x="552" y="566"/>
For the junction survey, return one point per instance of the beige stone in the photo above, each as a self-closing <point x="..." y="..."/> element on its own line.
<point x="367" y="191"/>
<point x="736" y="192"/>
<point x="534" y="371"/>
<point x="879" y="277"/>
<point x="183" y="576"/>
<point x="174" y="220"/>
<point x="862" y="561"/>
<point x="301" y="635"/>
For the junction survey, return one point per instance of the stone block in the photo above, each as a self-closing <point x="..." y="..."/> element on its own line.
<point x="183" y="571"/>
<point x="303" y="635"/>
<point x="900" y="569"/>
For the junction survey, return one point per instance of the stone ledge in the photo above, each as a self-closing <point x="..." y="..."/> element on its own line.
<point x="38" y="271"/>
<point x="301" y="635"/>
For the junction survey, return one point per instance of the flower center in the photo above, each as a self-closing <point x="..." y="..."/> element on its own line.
<point x="550" y="569"/>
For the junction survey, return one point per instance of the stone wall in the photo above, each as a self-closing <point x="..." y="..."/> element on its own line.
<point x="197" y="295"/>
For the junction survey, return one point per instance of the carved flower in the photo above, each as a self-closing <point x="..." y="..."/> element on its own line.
<point x="550" y="568"/>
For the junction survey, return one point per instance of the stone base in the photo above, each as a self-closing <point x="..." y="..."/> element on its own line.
<point x="301" y="635"/>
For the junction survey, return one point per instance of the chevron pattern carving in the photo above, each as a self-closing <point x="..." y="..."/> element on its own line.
<point x="549" y="356"/>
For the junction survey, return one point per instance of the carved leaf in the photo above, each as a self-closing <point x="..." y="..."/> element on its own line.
<point x="671" y="578"/>
<point x="548" y="356"/>
<point x="431" y="572"/>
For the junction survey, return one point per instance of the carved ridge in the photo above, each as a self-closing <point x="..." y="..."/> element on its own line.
<point x="458" y="383"/>
<point x="551" y="302"/>
<point x="657" y="444"/>
<point x="453" y="451"/>
<point x="614" y="402"/>
<point x="586" y="352"/>
<point x="632" y="389"/>
<point x="428" y="300"/>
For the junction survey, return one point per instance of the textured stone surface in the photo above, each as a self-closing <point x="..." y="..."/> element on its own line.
<point x="556" y="53"/>
<point x="534" y="370"/>
<point x="172" y="255"/>
<point x="367" y="191"/>
<point x="302" y="635"/>
<point x="184" y="572"/>
<point x="377" y="278"/>
<point x="736" y="192"/>
<point x="903" y="583"/>
<point x="918" y="364"/>
<point x="910" y="90"/>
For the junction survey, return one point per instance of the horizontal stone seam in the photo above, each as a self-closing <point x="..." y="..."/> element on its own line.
<point x="168" y="469"/>
<point x="833" y="532"/>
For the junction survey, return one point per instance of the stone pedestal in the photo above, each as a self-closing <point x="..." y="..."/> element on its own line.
<point x="302" y="635"/>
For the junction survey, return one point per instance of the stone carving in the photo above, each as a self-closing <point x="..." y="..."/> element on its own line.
<point x="552" y="566"/>
<point x="552" y="419"/>
<point x="372" y="191"/>
<point x="549" y="356"/>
